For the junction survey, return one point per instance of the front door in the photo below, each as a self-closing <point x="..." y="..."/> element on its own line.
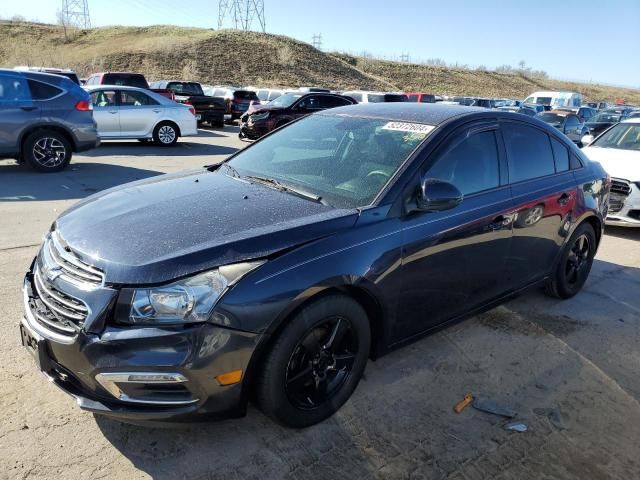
<point x="106" y="113"/>
<point x="455" y="260"/>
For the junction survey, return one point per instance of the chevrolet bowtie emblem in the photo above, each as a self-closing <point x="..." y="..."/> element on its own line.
<point x="53" y="273"/>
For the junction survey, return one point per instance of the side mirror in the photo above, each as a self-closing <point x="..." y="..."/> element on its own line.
<point x="437" y="195"/>
<point x="586" y="140"/>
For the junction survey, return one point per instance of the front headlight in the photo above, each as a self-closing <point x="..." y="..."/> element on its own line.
<point x="259" y="116"/>
<point x="190" y="300"/>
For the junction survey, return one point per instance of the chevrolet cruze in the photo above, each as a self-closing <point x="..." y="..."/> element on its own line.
<point x="277" y="274"/>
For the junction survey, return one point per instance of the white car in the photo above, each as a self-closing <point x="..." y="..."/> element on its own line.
<point x="618" y="151"/>
<point x="362" y="96"/>
<point x="135" y="113"/>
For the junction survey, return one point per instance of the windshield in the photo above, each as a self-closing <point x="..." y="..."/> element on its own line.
<point x="539" y="100"/>
<point x="623" y="136"/>
<point x="285" y="101"/>
<point x="185" y="88"/>
<point x="605" y="118"/>
<point x="344" y="160"/>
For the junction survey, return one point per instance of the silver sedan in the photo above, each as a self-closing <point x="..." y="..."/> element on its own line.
<point x="134" y="113"/>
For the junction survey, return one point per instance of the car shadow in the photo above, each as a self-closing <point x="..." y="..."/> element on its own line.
<point x="184" y="148"/>
<point x="623" y="232"/>
<point x="18" y="183"/>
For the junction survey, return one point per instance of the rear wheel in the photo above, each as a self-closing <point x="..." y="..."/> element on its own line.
<point x="315" y="363"/>
<point x="575" y="263"/>
<point x="47" y="151"/>
<point x="165" y="134"/>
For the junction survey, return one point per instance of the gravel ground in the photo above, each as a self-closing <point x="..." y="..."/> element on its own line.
<point x="570" y="369"/>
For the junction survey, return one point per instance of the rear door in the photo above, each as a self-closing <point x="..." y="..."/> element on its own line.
<point x="455" y="260"/>
<point x="17" y="111"/>
<point x="544" y="195"/>
<point x="139" y="113"/>
<point x="106" y="112"/>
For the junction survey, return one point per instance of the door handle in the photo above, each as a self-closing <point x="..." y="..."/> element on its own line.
<point x="156" y="110"/>
<point x="28" y="109"/>
<point x="564" y="199"/>
<point x="113" y="112"/>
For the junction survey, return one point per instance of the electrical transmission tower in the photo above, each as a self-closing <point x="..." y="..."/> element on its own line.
<point x="75" y="13"/>
<point x="317" y="41"/>
<point x="404" y="58"/>
<point x="241" y="13"/>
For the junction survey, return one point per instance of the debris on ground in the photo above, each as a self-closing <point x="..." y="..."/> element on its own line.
<point x="516" y="426"/>
<point x="464" y="403"/>
<point x="489" y="406"/>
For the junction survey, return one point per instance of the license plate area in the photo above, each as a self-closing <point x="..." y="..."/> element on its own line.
<point x="35" y="345"/>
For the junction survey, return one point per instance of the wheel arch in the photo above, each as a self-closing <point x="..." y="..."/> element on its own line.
<point x="167" y="120"/>
<point x="47" y="127"/>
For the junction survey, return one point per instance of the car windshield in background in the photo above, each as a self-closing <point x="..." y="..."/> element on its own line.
<point x="245" y="95"/>
<point x="285" y="101"/>
<point x="624" y="136"/>
<point x="605" y="118"/>
<point x="551" y="117"/>
<point x="543" y="101"/>
<point x="345" y="161"/>
<point x="125" y="79"/>
<point x="185" y="88"/>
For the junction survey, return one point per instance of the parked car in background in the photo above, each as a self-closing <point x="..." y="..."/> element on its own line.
<point x="603" y="120"/>
<point x="362" y="96"/>
<point x="265" y="95"/>
<point x="314" y="90"/>
<point x="618" y="151"/>
<point x="555" y="99"/>
<point x="123" y="112"/>
<point x="483" y="102"/>
<point x="129" y="79"/>
<point x="262" y="119"/>
<point x="567" y="122"/>
<point x="208" y="109"/>
<point x="420" y="97"/>
<point x="583" y="113"/>
<point x="277" y="274"/>
<point x="70" y="74"/>
<point x="237" y="101"/>
<point x="44" y="118"/>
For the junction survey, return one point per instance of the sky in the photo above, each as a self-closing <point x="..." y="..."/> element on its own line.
<point x="587" y="40"/>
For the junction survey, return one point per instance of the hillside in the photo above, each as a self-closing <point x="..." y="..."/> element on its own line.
<point x="250" y="58"/>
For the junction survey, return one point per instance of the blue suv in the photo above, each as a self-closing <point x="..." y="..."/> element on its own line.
<point x="44" y="118"/>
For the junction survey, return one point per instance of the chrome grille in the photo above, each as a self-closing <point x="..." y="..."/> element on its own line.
<point x="56" y="310"/>
<point x="620" y="187"/>
<point x="72" y="267"/>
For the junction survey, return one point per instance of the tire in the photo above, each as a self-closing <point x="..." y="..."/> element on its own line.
<point x="219" y="124"/>
<point x="47" y="151"/>
<point x="165" y="134"/>
<point x="574" y="265"/>
<point x="315" y="363"/>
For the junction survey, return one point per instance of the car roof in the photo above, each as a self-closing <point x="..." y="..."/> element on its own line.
<point x="632" y="120"/>
<point x="427" y="113"/>
<point x="113" y="87"/>
<point x="49" y="77"/>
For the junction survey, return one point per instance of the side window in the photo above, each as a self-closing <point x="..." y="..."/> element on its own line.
<point x="274" y="95"/>
<point x="330" y="102"/>
<point x="13" y="89"/>
<point x="310" y="103"/>
<point x="103" y="98"/>
<point x="529" y="152"/>
<point x="561" y="154"/>
<point x="135" y="99"/>
<point x="43" y="91"/>
<point x="356" y="96"/>
<point x="413" y="97"/>
<point x="572" y="121"/>
<point x="472" y="165"/>
<point x="575" y="162"/>
<point x="428" y="99"/>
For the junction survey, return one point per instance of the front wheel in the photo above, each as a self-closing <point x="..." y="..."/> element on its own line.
<point x="575" y="263"/>
<point x="315" y="363"/>
<point x="165" y="134"/>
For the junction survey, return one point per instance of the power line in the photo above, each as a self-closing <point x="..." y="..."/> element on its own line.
<point x="75" y="13"/>
<point x="317" y="41"/>
<point x="241" y="14"/>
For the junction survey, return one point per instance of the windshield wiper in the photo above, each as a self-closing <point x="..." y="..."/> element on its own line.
<point x="234" y="172"/>
<point x="287" y="188"/>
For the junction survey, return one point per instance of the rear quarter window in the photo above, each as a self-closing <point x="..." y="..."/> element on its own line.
<point x="561" y="155"/>
<point x="43" y="91"/>
<point x="529" y="152"/>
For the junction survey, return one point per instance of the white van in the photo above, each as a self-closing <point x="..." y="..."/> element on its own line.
<point x="555" y="99"/>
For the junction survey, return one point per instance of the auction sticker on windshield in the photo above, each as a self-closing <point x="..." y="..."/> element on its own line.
<point x="408" y="127"/>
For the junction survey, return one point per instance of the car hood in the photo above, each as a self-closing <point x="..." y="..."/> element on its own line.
<point x="624" y="164"/>
<point x="158" y="229"/>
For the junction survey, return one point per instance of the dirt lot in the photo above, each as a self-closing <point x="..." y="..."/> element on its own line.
<point x="569" y="368"/>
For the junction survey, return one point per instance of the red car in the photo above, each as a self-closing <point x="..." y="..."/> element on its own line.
<point x="421" y="97"/>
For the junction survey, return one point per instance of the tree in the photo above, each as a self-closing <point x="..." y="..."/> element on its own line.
<point x="522" y="64"/>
